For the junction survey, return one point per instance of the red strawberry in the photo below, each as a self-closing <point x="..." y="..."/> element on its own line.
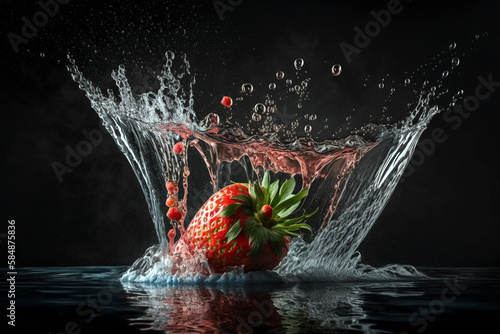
<point x="246" y="224"/>
<point x="171" y="186"/>
<point x="227" y="101"/>
<point x="170" y="202"/>
<point x="174" y="214"/>
<point x="178" y="148"/>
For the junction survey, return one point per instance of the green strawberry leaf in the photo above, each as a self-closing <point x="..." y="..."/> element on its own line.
<point x="297" y="226"/>
<point x="260" y="197"/>
<point x="277" y="242"/>
<point x="289" y="211"/>
<point x="273" y="191"/>
<point x="250" y="226"/>
<point x="287" y="189"/>
<point x="261" y="238"/>
<point x="291" y="201"/>
<point x="234" y="231"/>
<point x="230" y="210"/>
<point x="265" y="180"/>
<point x="292" y="221"/>
<point x="246" y="210"/>
<point x="244" y="198"/>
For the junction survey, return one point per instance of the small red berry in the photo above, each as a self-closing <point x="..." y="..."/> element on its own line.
<point x="178" y="148"/>
<point x="174" y="214"/>
<point x="171" y="186"/>
<point x="170" y="202"/>
<point x="227" y="101"/>
<point x="266" y="212"/>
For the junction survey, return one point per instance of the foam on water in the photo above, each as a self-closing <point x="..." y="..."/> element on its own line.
<point x="351" y="179"/>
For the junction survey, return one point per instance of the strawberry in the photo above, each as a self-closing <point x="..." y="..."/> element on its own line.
<point x="170" y="202"/>
<point x="227" y="101"/>
<point x="171" y="186"/>
<point x="247" y="224"/>
<point x="178" y="148"/>
<point x="174" y="214"/>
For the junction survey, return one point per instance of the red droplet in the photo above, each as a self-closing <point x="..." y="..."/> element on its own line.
<point x="178" y="148"/>
<point x="171" y="234"/>
<point x="171" y="186"/>
<point x="174" y="214"/>
<point x="227" y="101"/>
<point x="170" y="202"/>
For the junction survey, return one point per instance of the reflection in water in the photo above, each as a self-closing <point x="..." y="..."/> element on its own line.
<point x="247" y="309"/>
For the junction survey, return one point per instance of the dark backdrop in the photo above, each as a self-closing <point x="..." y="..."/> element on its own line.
<point x="444" y="214"/>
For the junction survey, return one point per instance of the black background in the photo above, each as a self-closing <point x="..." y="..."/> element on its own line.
<point x="443" y="215"/>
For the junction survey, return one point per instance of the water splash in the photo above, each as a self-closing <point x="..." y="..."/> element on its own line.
<point x="350" y="179"/>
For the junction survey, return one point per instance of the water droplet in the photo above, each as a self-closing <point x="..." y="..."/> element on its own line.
<point x="170" y="55"/>
<point x="455" y="61"/>
<point x="433" y="89"/>
<point x="289" y="82"/>
<point x="307" y="128"/>
<point x="304" y="84"/>
<point x="270" y="109"/>
<point x="299" y="62"/>
<point x="477" y="36"/>
<point x="445" y="74"/>
<point x="297" y="88"/>
<point x="393" y="90"/>
<point x="299" y="105"/>
<point x="426" y="82"/>
<point x="460" y="92"/>
<point x="280" y="75"/>
<point x="259" y="108"/>
<point x="256" y="117"/>
<point x="247" y="88"/>
<point x="272" y="86"/>
<point x="407" y="81"/>
<point x="453" y="46"/>
<point x="42" y="54"/>
<point x="336" y="69"/>
<point x="211" y="120"/>
<point x="295" y="124"/>
<point x="381" y="85"/>
<point x="313" y="117"/>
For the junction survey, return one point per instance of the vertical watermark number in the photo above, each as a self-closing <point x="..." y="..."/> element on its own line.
<point x="11" y="272"/>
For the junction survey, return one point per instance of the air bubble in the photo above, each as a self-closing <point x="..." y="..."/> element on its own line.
<point x="256" y="117"/>
<point x="336" y="69"/>
<point x="259" y="108"/>
<point x="299" y="62"/>
<point x="247" y="88"/>
<point x="280" y="75"/>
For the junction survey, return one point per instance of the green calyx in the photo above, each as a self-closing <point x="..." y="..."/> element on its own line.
<point x="260" y="228"/>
